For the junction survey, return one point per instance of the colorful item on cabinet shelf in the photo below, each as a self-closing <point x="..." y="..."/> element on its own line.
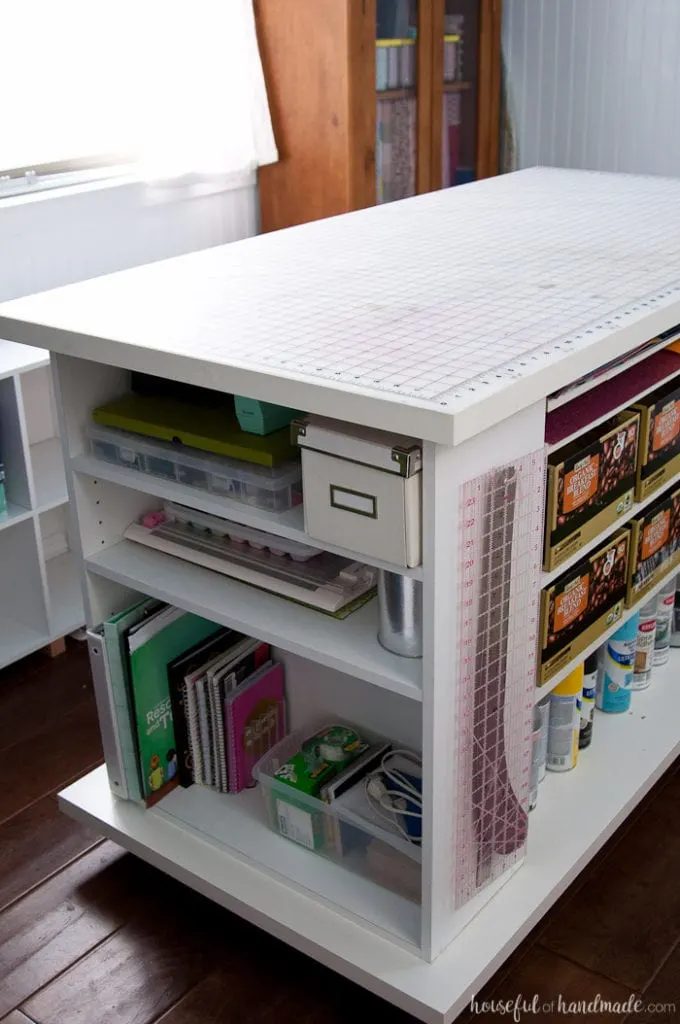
<point x="665" y="606"/>
<point x="591" y="482"/>
<point x="362" y="488"/>
<point x="644" y="645"/>
<point x="159" y="640"/>
<point x="588" y="695"/>
<point x="675" y="632"/>
<point x="564" y="726"/>
<point x="582" y="604"/>
<point x="500" y="820"/>
<point x="320" y="759"/>
<point x="328" y="583"/>
<point x="205" y="427"/>
<point x="659" y="458"/>
<point x="395" y="64"/>
<point x="256" y="417"/>
<point x="615" y="677"/>
<point x="273" y="488"/>
<point x="400" y="614"/>
<point x="655" y="545"/>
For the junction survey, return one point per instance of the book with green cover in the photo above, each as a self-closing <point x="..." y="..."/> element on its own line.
<point x="115" y="630"/>
<point x="151" y="648"/>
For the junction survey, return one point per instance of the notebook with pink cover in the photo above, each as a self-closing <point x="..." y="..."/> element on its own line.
<point x="255" y="719"/>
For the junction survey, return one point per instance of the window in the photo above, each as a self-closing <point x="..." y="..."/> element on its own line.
<point x="175" y="88"/>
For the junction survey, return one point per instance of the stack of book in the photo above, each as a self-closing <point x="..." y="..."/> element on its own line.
<point x="190" y="702"/>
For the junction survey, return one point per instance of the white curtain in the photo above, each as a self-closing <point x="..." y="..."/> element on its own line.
<point x="176" y="86"/>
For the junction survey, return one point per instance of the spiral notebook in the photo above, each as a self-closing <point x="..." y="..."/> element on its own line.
<point x="255" y="719"/>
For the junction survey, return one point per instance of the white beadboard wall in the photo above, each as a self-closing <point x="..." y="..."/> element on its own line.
<point x="594" y="84"/>
<point x="61" y="236"/>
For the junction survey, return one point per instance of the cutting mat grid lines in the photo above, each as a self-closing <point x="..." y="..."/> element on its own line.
<point x="501" y="519"/>
<point x="439" y="300"/>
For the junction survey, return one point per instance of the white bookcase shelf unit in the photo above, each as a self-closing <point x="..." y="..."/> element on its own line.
<point x="40" y="594"/>
<point x="451" y="317"/>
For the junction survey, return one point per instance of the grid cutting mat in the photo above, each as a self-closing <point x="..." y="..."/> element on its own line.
<point x="436" y="301"/>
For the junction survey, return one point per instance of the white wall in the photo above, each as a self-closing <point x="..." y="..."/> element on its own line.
<point x="61" y="236"/>
<point x="595" y="83"/>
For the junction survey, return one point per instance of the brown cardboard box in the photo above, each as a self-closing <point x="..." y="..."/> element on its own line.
<point x="580" y="605"/>
<point x="659" y="457"/>
<point x="591" y="482"/>
<point x="654" y="545"/>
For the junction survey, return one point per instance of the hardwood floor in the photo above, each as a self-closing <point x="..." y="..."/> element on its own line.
<point x="91" y="935"/>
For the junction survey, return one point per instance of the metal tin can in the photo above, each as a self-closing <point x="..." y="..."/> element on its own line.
<point x="400" y="613"/>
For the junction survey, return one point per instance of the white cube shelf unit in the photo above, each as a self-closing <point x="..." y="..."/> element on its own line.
<point x="40" y="593"/>
<point x="450" y="317"/>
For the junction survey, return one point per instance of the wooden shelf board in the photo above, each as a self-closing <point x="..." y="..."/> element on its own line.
<point x="349" y="646"/>
<point x="404" y="92"/>
<point x="456" y="86"/>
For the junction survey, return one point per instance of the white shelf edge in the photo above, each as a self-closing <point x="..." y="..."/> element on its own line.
<point x="349" y="645"/>
<point x="16" y="358"/>
<point x="550" y="448"/>
<point x="546" y="688"/>
<point x="434" y="992"/>
<point x="588" y="385"/>
<point x="285" y="524"/>
<point x="638" y="506"/>
<point x="15" y="514"/>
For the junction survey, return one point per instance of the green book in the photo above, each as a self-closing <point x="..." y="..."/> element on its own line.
<point x="115" y="642"/>
<point x="152" y="646"/>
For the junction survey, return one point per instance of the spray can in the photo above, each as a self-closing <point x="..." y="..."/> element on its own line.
<point x="664" y="617"/>
<point x="541" y="720"/>
<point x="615" y="676"/>
<point x="588" y="702"/>
<point x="644" y="646"/>
<point x="675" y="635"/>
<point x="565" y="722"/>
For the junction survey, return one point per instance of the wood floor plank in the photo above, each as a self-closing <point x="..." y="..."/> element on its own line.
<point x="260" y="980"/>
<point x="35" y="843"/>
<point x="661" y="1000"/>
<point x="547" y="978"/>
<point x="625" y="919"/>
<point x="47" y="931"/>
<point x="29" y="770"/>
<point x="36" y="692"/>
<point x="141" y="970"/>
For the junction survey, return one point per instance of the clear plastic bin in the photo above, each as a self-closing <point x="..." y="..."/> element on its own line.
<point x="274" y="489"/>
<point x="345" y="831"/>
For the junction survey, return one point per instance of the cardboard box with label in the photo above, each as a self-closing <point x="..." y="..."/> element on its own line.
<point x="362" y="489"/>
<point x="654" y="545"/>
<point x="579" y="606"/>
<point x="659" y="458"/>
<point x="591" y="482"/>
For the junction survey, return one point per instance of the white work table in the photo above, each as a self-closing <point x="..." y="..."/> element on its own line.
<point x="436" y="317"/>
<point x="449" y="318"/>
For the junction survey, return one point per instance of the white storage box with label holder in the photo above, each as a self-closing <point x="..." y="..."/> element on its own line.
<point x="362" y="489"/>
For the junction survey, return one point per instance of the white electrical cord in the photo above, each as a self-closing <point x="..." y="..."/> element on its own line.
<point x="391" y="804"/>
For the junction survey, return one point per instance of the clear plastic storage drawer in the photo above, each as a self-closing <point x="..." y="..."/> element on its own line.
<point x="275" y="489"/>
